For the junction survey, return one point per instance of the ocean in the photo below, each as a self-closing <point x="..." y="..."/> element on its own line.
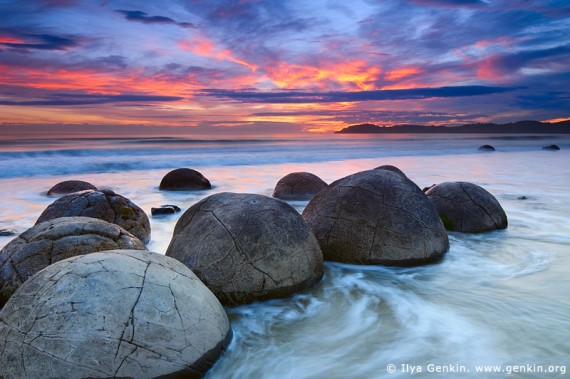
<point x="497" y="305"/>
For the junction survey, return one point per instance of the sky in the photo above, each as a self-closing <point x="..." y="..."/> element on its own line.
<point x="226" y="67"/>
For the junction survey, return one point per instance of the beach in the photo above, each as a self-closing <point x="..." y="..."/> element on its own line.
<point x="497" y="298"/>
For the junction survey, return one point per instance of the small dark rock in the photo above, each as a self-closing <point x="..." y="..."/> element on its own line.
<point x="165" y="210"/>
<point x="7" y="233"/>
<point x="522" y="198"/>
<point x="486" y="148"/>
<point x="175" y="207"/>
<point x="298" y="186"/>
<point x="70" y="186"/>
<point x="551" y="147"/>
<point x="184" y="179"/>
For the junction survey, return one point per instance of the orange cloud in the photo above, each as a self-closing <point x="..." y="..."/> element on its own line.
<point x="91" y="81"/>
<point x="357" y="73"/>
<point x="488" y="69"/>
<point x="402" y="73"/>
<point x="203" y="46"/>
<point x="5" y="39"/>
<point x="505" y="41"/>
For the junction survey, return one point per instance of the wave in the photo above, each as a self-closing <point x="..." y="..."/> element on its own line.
<point x="115" y="155"/>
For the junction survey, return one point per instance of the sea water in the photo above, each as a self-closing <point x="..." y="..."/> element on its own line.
<point x="497" y="305"/>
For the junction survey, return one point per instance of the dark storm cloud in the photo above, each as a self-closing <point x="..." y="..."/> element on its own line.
<point x="66" y="99"/>
<point x="140" y="16"/>
<point x="291" y="97"/>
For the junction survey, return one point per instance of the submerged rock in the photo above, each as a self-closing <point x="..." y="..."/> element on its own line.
<point x="53" y="241"/>
<point x="118" y="313"/>
<point x="486" y="148"/>
<point x="298" y="186"/>
<point x="467" y="207"/>
<point x="105" y="205"/>
<point x="551" y="147"/>
<point x="184" y="179"/>
<point x="70" y="186"/>
<point x="7" y="233"/>
<point x="165" y="210"/>
<point x="247" y="247"/>
<point x="376" y="217"/>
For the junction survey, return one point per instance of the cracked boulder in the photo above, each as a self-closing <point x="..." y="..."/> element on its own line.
<point x="467" y="207"/>
<point x="184" y="179"/>
<point x="119" y="313"/>
<point x="105" y="205"/>
<point x="247" y="247"/>
<point x="376" y="217"/>
<point x="298" y="186"/>
<point x="53" y="241"/>
<point x="70" y="186"/>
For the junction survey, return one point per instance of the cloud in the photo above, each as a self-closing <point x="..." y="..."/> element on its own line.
<point x="451" y="3"/>
<point x="292" y="97"/>
<point x="16" y="40"/>
<point x="501" y="65"/>
<point x="558" y="100"/>
<point x="66" y="99"/>
<point x="376" y="116"/>
<point x="139" y="16"/>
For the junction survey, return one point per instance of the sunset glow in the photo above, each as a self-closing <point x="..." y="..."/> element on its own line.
<point x="290" y="65"/>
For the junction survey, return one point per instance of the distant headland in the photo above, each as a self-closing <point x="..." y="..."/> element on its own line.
<point x="532" y="127"/>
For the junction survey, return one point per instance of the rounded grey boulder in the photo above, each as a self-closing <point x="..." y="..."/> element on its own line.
<point x="117" y="313"/>
<point x="298" y="186"/>
<point x="70" y="186"/>
<point x="184" y="179"/>
<point x="376" y="217"/>
<point x="52" y="241"/>
<point x="391" y="168"/>
<point x="105" y="205"/>
<point x="467" y="207"/>
<point x="247" y="247"/>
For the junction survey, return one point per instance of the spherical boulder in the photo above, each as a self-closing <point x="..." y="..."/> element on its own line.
<point x="184" y="179"/>
<point x="467" y="207"/>
<point x="247" y="247"/>
<point x="391" y="168"/>
<point x="486" y="148"/>
<point x="117" y="313"/>
<point x="70" y="186"/>
<point x="105" y="205"/>
<point x="52" y="241"/>
<point x="298" y="186"/>
<point x="376" y="217"/>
